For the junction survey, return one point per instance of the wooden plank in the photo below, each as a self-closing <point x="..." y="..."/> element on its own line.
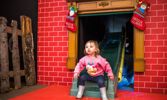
<point x="138" y="53"/>
<point x="106" y="11"/>
<point x="82" y="0"/>
<point x="72" y="46"/>
<point x="9" y="30"/>
<point x="4" y="56"/>
<point x="105" y="6"/>
<point x="15" y="55"/>
<point x="28" y="50"/>
<point x="12" y="73"/>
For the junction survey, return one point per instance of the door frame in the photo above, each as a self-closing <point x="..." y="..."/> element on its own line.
<point x="93" y="7"/>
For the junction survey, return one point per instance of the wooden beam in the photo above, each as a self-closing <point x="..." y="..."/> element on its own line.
<point x="15" y="55"/>
<point x="4" y="57"/>
<point x="72" y="46"/>
<point x="12" y="73"/>
<point x="28" y="50"/>
<point x="105" y="6"/>
<point x="9" y="30"/>
<point x="138" y="53"/>
<point x="82" y="0"/>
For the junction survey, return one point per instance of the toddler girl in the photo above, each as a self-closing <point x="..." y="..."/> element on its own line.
<point x="95" y="65"/>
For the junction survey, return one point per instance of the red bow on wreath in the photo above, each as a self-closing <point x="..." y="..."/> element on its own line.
<point x="138" y="16"/>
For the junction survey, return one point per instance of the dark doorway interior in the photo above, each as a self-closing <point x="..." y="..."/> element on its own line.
<point x="97" y="27"/>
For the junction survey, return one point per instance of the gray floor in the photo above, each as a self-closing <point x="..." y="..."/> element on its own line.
<point x="23" y="90"/>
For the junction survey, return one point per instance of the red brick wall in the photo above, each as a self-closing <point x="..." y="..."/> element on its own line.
<point x="52" y="43"/>
<point x="154" y="79"/>
<point x="53" y="46"/>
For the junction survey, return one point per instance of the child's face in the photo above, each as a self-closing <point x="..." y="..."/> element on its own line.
<point x="90" y="49"/>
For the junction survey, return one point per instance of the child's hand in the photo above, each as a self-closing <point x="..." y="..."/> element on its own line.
<point x="111" y="77"/>
<point x="91" y="74"/>
<point x="76" y="75"/>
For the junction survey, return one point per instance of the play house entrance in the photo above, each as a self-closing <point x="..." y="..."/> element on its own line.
<point x="96" y="7"/>
<point x="110" y="29"/>
<point x="104" y="7"/>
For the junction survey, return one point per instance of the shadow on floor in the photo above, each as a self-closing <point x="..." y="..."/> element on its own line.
<point x="23" y="90"/>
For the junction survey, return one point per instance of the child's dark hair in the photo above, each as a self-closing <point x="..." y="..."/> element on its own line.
<point x="96" y="45"/>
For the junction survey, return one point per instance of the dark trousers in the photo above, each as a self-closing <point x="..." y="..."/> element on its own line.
<point x="86" y="77"/>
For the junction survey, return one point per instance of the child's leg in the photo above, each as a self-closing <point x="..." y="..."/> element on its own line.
<point x="81" y="87"/>
<point x="82" y="79"/>
<point x="101" y="83"/>
<point x="103" y="93"/>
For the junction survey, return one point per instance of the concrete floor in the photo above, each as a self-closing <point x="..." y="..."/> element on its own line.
<point x="23" y="90"/>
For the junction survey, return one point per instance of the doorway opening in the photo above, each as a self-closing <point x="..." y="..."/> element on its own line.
<point x="106" y="29"/>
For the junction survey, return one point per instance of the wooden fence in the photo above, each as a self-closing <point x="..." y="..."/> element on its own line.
<point x="14" y="50"/>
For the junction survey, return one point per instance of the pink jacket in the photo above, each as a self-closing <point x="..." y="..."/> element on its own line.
<point x="98" y="62"/>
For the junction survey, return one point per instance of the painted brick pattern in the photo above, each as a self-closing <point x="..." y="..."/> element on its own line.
<point x="52" y="43"/>
<point x="154" y="78"/>
<point x="53" y="46"/>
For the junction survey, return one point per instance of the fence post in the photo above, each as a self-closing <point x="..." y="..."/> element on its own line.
<point x="28" y="50"/>
<point x="15" y="55"/>
<point x="4" y="78"/>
